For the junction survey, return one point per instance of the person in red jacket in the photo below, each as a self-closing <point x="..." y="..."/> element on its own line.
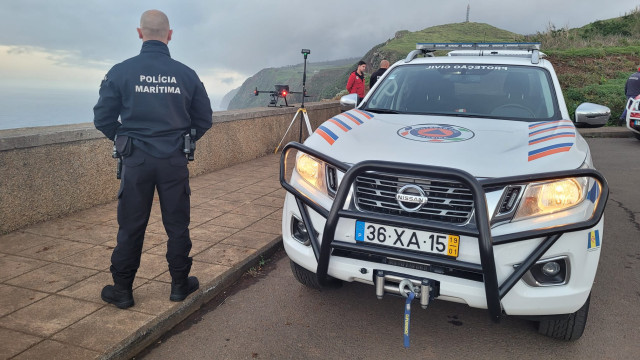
<point x="355" y="85"/>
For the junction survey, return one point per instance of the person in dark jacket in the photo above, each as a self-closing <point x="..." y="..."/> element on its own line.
<point x="384" y="65"/>
<point x="355" y="84"/>
<point x="631" y="90"/>
<point x="158" y="101"/>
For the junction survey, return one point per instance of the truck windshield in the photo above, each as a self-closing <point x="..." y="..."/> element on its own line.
<point x="477" y="90"/>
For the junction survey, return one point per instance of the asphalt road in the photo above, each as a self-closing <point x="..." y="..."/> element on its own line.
<point x="271" y="316"/>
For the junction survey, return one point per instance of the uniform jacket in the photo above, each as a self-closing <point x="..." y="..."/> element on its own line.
<point x="375" y="76"/>
<point x="158" y="99"/>
<point x="632" y="87"/>
<point x="356" y="84"/>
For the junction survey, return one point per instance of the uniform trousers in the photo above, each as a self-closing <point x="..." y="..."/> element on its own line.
<point x="142" y="174"/>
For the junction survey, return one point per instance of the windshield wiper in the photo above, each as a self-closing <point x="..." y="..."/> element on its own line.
<point x="383" y="111"/>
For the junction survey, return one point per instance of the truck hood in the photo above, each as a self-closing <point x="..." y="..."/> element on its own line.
<point x="483" y="147"/>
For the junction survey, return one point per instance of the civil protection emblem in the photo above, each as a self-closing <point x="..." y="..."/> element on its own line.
<point x="436" y="133"/>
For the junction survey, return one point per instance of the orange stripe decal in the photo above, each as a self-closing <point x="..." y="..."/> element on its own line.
<point x="325" y="136"/>
<point x="339" y="125"/>
<point x="549" y="152"/>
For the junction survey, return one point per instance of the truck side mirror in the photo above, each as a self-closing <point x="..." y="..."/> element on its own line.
<point x="348" y="102"/>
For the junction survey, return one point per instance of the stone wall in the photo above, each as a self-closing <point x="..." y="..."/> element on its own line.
<point x="48" y="172"/>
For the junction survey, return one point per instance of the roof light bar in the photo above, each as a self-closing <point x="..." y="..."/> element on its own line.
<point x="477" y="46"/>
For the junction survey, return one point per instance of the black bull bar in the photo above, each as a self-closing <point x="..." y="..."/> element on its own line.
<point x="480" y="229"/>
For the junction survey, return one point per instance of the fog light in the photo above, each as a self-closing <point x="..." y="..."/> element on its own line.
<point x="549" y="272"/>
<point x="551" y="268"/>
<point x="299" y="231"/>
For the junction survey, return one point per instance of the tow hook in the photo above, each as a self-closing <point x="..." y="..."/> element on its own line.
<point x="424" y="289"/>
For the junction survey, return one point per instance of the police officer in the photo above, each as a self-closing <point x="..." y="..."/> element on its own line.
<point x="631" y="90"/>
<point x="158" y="100"/>
<point x="384" y="65"/>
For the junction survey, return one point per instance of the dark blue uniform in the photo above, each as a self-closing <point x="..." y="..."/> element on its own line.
<point x="158" y="100"/>
<point x="631" y="90"/>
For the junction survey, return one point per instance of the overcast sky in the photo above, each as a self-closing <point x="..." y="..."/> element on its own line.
<point x="73" y="43"/>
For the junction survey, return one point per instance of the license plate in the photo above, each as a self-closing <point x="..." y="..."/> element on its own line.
<point x="407" y="239"/>
<point x="637" y="122"/>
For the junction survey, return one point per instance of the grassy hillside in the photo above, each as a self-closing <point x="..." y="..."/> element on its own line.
<point x="592" y="62"/>
<point x="265" y="79"/>
<point x="405" y="41"/>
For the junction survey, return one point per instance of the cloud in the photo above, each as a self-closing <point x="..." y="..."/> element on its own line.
<point x="234" y="40"/>
<point x="29" y="66"/>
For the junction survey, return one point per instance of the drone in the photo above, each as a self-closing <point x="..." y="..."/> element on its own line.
<point x="281" y="91"/>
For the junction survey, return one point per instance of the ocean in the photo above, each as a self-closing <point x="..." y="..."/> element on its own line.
<point x="43" y="107"/>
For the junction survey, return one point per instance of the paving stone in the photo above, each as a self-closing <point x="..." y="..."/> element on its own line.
<point x="18" y="241"/>
<point x="151" y="266"/>
<point x="12" y="266"/>
<point x="156" y="228"/>
<point x="268" y="200"/>
<point x="205" y="180"/>
<point x="228" y="255"/>
<point x="13" y="342"/>
<point x="97" y="257"/>
<point x="59" y="228"/>
<point x="48" y="316"/>
<point x="235" y="221"/>
<point x="152" y="240"/>
<point x="95" y="234"/>
<point x="51" y="278"/>
<point x="254" y="210"/>
<point x="14" y="298"/>
<point x="199" y="216"/>
<point x="55" y="249"/>
<point x="97" y="214"/>
<point x="258" y="189"/>
<point x="90" y="288"/>
<point x="107" y="327"/>
<point x="211" y="233"/>
<point x="249" y="239"/>
<point x="279" y="193"/>
<point x="277" y="215"/>
<point x="239" y="196"/>
<point x="53" y="350"/>
<point x="270" y="183"/>
<point x="267" y="225"/>
<point x="208" y="193"/>
<point x="153" y="298"/>
<point x="220" y="205"/>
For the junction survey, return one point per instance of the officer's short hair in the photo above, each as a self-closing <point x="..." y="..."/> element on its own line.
<point x="154" y="24"/>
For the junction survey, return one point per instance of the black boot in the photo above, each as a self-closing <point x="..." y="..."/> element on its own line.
<point x="118" y="295"/>
<point x="181" y="289"/>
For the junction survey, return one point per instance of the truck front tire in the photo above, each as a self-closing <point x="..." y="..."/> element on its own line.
<point x="569" y="328"/>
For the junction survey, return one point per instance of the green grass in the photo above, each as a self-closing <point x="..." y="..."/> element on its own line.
<point x="592" y="62"/>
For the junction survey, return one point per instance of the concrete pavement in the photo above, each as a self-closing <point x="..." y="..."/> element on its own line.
<point x="51" y="273"/>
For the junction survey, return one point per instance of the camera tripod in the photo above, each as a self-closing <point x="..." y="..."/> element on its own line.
<point x="301" y="110"/>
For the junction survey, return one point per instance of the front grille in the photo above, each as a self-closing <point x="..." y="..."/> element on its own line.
<point x="448" y="201"/>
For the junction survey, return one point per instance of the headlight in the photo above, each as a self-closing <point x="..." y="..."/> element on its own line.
<point x="550" y="197"/>
<point x="312" y="171"/>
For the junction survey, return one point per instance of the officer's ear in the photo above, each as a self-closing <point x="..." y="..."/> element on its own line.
<point x="169" y="35"/>
<point x="139" y="32"/>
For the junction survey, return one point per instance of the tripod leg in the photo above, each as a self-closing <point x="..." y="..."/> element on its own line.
<point x="306" y="119"/>
<point x="286" y="132"/>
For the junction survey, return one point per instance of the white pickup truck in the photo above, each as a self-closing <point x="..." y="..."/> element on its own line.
<point x="457" y="178"/>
